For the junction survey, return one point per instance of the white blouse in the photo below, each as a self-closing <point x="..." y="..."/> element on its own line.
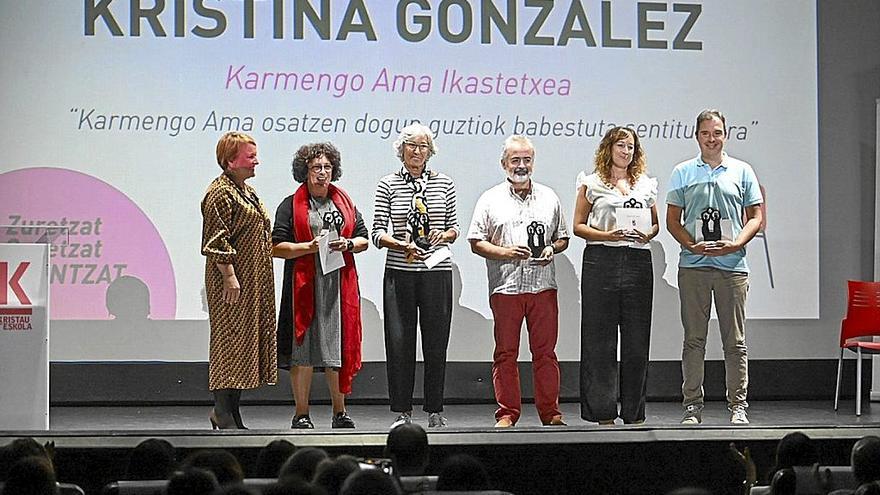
<point x="606" y="199"/>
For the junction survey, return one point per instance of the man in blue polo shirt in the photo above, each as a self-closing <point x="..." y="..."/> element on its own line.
<point x="713" y="209"/>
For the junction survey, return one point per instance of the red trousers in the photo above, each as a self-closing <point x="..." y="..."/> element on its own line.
<point x="541" y="313"/>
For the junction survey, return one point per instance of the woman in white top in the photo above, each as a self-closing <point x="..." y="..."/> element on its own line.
<point x="615" y="213"/>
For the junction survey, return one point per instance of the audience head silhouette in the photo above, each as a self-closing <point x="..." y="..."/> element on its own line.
<point x="192" y="481"/>
<point x="272" y="457"/>
<point x="407" y="446"/>
<point x="370" y="482"/>
<point x="152" y="459"/>
<point x="302" y="464"/>
<point x="222" y="464"/>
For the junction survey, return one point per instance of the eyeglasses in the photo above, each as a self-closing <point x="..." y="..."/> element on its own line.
<point x="317" y="168"/>
<point x="417" y="146"/>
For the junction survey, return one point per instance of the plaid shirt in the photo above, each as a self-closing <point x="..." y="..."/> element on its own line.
<point x="502" y="217"/>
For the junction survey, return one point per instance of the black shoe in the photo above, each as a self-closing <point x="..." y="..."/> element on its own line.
<point x="302" y="422"/>
<point x="342" y="420"/>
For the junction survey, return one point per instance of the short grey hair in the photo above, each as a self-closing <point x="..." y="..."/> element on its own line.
<point x="411" y="131"/>
<point x="516" y="139"/>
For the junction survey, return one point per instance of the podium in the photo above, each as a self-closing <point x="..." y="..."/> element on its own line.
<point x="24" y="325"/>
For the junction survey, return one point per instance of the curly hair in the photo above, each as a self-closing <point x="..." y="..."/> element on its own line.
<point x="637" y="166"/>
<point x="309" y="152"/>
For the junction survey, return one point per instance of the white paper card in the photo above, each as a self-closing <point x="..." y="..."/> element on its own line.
<point x="330" y="260"/>
<point x="726" y="229"/>
<point x="438" y="256"/>
<point x="633" y="219"/>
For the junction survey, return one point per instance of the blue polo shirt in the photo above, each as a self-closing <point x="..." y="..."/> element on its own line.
<point x="729" y="188"/>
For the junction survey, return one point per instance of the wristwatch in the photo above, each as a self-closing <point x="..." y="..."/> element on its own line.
<point x="349" y="244"/>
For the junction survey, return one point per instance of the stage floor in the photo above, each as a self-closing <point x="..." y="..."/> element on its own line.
<point x="472" y="424"/>
<point x="93" y="443"/>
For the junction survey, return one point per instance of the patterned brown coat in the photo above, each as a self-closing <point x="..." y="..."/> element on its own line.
<point x="236" y="229"/>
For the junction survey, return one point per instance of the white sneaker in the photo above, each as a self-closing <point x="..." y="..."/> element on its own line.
<point x="693" y="415"/>
<point x="738" y="416"/>
<point x="405" y="417"/>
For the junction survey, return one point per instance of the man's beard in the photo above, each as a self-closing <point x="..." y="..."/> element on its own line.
<point x="519" y="175"/>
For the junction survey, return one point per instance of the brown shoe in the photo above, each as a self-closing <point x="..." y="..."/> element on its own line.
<point x="504" y="422"/>
<point x="606" y="422"/>
<point x="556" y="421"/>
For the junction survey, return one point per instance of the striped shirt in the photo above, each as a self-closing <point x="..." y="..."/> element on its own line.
<point x="400" y="199"/>
<point x="502" y="217"/>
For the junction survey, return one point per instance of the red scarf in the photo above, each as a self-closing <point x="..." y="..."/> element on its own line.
<point x="349" y="293"/>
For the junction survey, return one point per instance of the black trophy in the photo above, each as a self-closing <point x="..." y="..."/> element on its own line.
<point x="536" y="231"/>
<point x="711" y="224"/>
<point x="418" y="221"/>
<point x="333" y="219"/>
<point x="633" y="203"/>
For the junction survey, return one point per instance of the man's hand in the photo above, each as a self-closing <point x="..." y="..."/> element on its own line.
<point x="720" y="248"/>
<point x="546" y="256"/>
<point x="517" y="252"/>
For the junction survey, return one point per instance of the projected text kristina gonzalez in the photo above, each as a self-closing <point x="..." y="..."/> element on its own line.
<point x="646" y="25"/>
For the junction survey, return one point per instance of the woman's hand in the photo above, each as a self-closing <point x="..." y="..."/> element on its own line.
<point x="413" y="252"/>
<point x="231" y="289"/>
<point x="637" y="236"/>
<point x="618" y="235"/>
<point x="436" y="236"/>
<point x="311" y="246"/>
<point x="340" y="244"/>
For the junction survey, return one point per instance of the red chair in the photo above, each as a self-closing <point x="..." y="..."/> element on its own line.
<point x="862" y="320"/>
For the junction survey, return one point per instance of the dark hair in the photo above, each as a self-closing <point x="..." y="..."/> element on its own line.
<point x="309" y="152"/>
<point x="462" y="472"/>
<point x="152" y="459"/>
<point x="370" y="482"/>
<point x="32" y="475"/>
<point x="235" y="489"/>
<point x="866" y="459"/>
<point x="220" y="462"/>
<point x="293" y="486"/>
<point x="17" y="450"/>
<point x="407" y="446"/>
<point x="331" y="473"/>
<point x="784" y="482"/>
<point x="192" y="481"/>
<point x="709" y="114"/>
<point x="272" y="457"/>
<point x="795" y="449"/>
<point x="303" y="463"/>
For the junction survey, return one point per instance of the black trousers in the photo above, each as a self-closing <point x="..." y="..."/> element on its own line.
<point x="409" y="298"/>
<point x="617" y="290"/>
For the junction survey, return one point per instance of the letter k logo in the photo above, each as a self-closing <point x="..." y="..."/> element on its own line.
<point x="13" y="282"/>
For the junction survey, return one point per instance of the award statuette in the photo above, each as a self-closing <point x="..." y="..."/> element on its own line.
<point x="334" y="220"/>
<point x="535" y="231"/>
<point x="711" y="228"/>
<point x="417" y="220"/>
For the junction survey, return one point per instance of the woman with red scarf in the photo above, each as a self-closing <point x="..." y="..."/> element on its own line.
<point x="323" y="330"/>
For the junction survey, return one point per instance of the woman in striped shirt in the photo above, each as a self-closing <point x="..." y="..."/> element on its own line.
<point x="414" y="217"/>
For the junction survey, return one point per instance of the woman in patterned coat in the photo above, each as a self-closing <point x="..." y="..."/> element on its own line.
<point x="236" y="241"/>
